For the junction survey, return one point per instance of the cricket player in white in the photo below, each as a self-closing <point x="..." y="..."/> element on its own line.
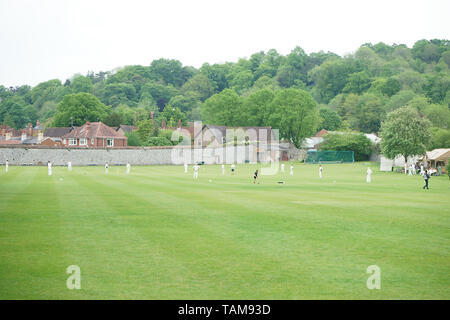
<point x="410" y="170"/>
<point x="320" y="171"/>
<point x="406" y="168"/>
<point x="128" y="167"/>
<point x="69" y="166"/>
<point x="185" y="167"/>
<point x="282" y="168"/>
<point x="368" y="177"/>
<point x="223" y="169"/>
<point x="106" y="168"/>
<point x="49" y="166"/>
<point x="6" y="165"/>
<point x="292" y="170"/>
<point x="196" y="167"/>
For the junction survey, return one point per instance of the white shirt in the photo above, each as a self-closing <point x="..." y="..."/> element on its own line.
<point x="196" y="167"/>
<point x="49" y="165"/>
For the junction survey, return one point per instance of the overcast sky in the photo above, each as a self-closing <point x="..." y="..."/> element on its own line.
<point x="47" y="39"/>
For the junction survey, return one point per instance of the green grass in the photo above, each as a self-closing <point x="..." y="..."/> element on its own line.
<point x="158" y="234"/>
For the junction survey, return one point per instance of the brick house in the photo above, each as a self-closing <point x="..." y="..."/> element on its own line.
<point x="94" y="135"/>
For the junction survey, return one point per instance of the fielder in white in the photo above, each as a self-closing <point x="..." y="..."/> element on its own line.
<point x="282" y="168"/>
<point x="185" y="167"/>
<point x="196" y="167"/>
<point x="320" y="171"/>
<point x="49" y="166"/>
<point x="69" y="166"/>
<point x="292" y="169"/>
<point x="128" y="167"/>
<point x="106" y="168"/>
<point x="223" y="169"/>
<point x="406" y="168"/>
<point x="369" y="174"/>
<point x="6" y="165"/>
<point x="410" y="170"/>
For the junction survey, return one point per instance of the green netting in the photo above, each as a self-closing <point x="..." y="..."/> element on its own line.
<point x="320" y="156"/>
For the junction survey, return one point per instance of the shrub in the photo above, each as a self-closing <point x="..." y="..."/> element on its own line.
<point x="356" y="142"/>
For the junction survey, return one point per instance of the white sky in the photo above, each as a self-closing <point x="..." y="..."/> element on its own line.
<point x="47" y="39"/>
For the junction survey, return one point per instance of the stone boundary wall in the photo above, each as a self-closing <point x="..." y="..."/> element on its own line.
<point x="39" y="155"/>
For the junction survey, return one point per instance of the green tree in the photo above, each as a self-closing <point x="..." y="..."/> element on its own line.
<point x="172" y="115"/>
<point x="294" y="112"/>
<point x="329" y="119"/>
<point x="200" y="85"/>
<point x="81" y="84"/>
<point x="13" y="111"/>
<point x="113" y="119"/>
<point x="439" y="115"/>
<point x="79" y="108"/>
<point x="133" y="139"/>
<point x="440" y="138"/>
<point x="145" y="129"/>
<point x="257" y="107"/>
<point x="223" y="108"/>
<point x="404" y="133"/>
<point x="356" y="142"/>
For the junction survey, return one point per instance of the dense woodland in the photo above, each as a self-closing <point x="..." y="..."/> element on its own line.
<point x="297" y="93"/>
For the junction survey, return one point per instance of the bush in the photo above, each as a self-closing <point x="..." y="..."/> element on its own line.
<point x="356" y="142"/>
<point x="133" y="139"/>
<point x="158" y="141"/>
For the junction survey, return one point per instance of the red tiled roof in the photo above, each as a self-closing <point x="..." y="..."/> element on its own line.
<point x="10" y="141"/>
<point x="321" y="133"/>
<point x="94" y="130"/>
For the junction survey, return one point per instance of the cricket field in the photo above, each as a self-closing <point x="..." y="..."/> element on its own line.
<point x="159" y="234"/>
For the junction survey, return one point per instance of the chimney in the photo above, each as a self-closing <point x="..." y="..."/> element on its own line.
<point x="179" y="124"/>
<point x="38" y="123"/>
<point x="152" y="116"/>
<point x="24" y="135"/>
<point x="8" y="135"/>
<point x="40" y="135"/>
<point x="30" y="130"/>
<point x="163" y="124"/>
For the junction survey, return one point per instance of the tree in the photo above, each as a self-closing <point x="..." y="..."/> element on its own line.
<point x="356" y="142"/>
<point x="13" y="112"/>
<point x="113" y="119"/>
<point x="329" y="119"/>
<point x="439" y="115"/>
<point x="200" y="85"/>
<point x="81" y="84"/>
<point x="223" y="108"/>
<point x="77" y="108"/>
<point x="145" y="129"/>
<point x="294" y="112"/>
<point x="440" y="138"/>
<point x="172" y="115"/>
<point x="257" y="107"/>
<point x="170" y="72"/>
<point x="404" y="133"/>
<point x="133" y="139"/>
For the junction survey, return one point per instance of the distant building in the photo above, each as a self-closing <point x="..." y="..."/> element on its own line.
<point x="123" y="129"/>
<point x="94" y="134"/>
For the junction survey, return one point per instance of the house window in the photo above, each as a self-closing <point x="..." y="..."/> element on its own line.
<point x="72" y="142"/>
<point x="83" y="141"/>
<point x="110" y="142"/>
<point x="92" y="141"/>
